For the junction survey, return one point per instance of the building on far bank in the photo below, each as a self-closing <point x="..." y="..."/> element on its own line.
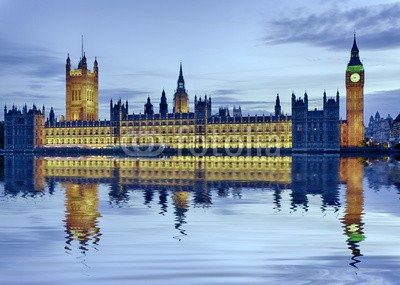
<point x="395" y="130"/>
<point x="378" y="130"/>
<point x="317" y="130"/>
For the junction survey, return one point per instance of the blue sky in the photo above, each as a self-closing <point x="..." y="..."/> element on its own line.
<point x="237" y="52"/>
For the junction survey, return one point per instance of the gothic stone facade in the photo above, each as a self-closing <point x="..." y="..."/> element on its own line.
<point x="316" y="130"/>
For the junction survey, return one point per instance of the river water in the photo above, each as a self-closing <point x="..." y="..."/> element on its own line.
<point x="199" y="220"/>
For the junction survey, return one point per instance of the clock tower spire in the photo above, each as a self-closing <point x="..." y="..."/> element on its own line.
<point x="355" y="98"/>
<point x="181" y="98"/>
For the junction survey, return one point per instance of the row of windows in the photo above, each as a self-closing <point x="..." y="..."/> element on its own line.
<point x="79" y="141"/>
<point x="165" y="122"/>
<point x="170" y="140"/>
<point x="249" y="129"/>
<point x="156" y="130"/>
<point x="77" y="132"/>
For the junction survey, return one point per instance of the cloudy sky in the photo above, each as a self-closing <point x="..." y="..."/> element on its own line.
<point x="237" y="52"/>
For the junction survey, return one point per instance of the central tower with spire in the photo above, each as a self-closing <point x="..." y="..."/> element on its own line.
<point x="181" y="98"/>
<point x="82" y="90"/>
<point x="355" y="98"/>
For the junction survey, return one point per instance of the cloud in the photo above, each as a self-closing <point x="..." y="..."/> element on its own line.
<point x="378" y="26"/>
<point x="385" y="102"/>
<point x="122" y="93"/>
<point x="33" y="61"/>
<point x="225" y="92"/>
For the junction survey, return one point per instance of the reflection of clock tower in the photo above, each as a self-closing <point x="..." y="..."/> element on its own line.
<point x="355" y="98"/>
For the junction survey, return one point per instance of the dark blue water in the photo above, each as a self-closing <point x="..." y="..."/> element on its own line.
<point x="204" y="220"/>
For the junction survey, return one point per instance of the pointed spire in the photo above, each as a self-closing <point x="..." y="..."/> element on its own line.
<point x="354" y="54"/>
<point x="82" y="55"/>
<point x="355" y="47"/>
<point x="163" y="104"/>
<point x="181" y="81"/>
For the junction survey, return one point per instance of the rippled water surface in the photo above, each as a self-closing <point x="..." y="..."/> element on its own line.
<point x="204" y="220"/>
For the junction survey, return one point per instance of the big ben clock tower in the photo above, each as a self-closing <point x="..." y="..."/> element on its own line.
<point x="355" y="98"/>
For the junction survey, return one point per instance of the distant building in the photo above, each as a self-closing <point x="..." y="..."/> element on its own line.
<point x="378" y="129"/>
<point x="395" y="130"/>
<point x="316" y="130"/>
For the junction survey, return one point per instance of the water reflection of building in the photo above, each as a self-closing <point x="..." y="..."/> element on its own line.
<point x="24" y="174"/>
<point x="186" y="177"/>
<point x="315" y="174"/>
<point x="188" y="182"/>
<point x="181" y="204"/>
<point x="81" y="215"/>
<point x="178" y="173"/>
<point x="351" y="172"/>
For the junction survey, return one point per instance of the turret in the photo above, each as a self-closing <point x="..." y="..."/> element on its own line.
<point x="306" y="99"/>
<point x="95" y="67"/>
<point x="148" y="107"/>
<point x="68" y="66"/>
<point x="163" y="104"/>
<point x="278" y="109"/>
<point x="84" y="62"/>
<point x="52" y="115"/>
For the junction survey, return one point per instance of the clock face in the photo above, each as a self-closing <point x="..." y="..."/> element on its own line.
<point x="355" y="77"/>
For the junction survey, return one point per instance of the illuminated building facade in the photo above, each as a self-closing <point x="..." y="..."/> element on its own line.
<point x="352" y="130"/>
<point x="182" y="129"/>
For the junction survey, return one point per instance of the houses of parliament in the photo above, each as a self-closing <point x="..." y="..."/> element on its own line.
<point x="184" y="127"/>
